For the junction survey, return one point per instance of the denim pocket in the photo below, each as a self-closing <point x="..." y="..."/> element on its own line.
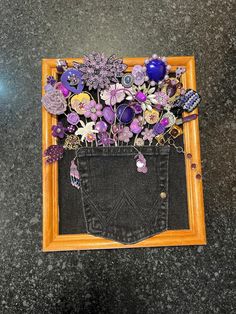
<point x="120" y="203"/>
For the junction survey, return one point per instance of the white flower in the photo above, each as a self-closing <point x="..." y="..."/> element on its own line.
<point x="115" y="94"/>
<point x="150" y="96"/>
<point x="85" y="130"/>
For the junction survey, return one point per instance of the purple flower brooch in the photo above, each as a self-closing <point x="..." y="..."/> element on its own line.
<point x="99" y="104"/>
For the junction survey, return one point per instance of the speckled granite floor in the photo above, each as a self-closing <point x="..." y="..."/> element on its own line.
<point x="166" y="280"/>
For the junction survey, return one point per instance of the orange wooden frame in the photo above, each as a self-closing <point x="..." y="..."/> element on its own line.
<point x="195" y="235"/>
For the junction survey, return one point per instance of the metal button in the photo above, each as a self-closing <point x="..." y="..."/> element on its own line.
<point x="163" y="195"/>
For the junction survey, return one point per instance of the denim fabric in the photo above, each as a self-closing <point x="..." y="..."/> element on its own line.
<point x="118" y="202"/>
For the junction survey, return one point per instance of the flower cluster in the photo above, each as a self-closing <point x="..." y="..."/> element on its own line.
<point x="100" y="104"/>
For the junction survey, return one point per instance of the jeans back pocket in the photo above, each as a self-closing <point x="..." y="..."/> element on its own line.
<point x="120" y="203"/>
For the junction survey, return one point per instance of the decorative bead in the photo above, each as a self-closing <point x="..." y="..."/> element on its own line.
<point x="163" y="195"/>
<point x="141" y="97"/>
<point x="198" y="176"/>
<point x="193" y="166"/>
<point x="156" y="70"/>
<point x="125" y="114"/>
<point x="101" y="126"/>
<point x="164" y="121"/>
<point x="189" y="155"/>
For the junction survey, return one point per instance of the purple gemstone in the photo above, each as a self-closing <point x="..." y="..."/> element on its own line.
<point x="125" y="114"/>
<point x="156" y="70"/>
<point x="164" y="122"/>
<point x="108" y="114"/>
<point x="141" y="97"/>
<point x="101" y="126"/>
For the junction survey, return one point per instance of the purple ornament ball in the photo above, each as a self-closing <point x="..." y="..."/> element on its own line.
<point x="156" y="70"/>
<point x="101" y="126"/>
<point x="125" y="114"/>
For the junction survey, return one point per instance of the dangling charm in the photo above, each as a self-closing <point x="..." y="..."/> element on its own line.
<point x="141" y="163"/>
<point x="74" y="175"/>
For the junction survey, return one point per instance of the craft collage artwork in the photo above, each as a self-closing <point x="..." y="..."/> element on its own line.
<point x="103" y="107"/>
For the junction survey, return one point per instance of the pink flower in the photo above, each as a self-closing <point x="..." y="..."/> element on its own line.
<point x="148" y="135"/>
<point x="115" y="94"/>
<point x="93" y="110"/>
<point x="125" y="134"/>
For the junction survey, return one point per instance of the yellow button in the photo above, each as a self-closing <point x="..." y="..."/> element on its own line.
<point x="163" y="195"/>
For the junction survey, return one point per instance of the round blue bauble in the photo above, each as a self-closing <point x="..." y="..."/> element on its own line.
<point x="72" y="80"/>
<point x="156" y="70"/>
<point x="124" y="113"/>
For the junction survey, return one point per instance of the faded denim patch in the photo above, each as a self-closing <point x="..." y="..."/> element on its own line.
<point x="118" y="202"/>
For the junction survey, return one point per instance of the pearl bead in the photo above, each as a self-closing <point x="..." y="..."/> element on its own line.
<point x="146" y="61"/>
<point x="166" y="77"/>
<point x="152" y="83"/>
<point x="154" y="56"/>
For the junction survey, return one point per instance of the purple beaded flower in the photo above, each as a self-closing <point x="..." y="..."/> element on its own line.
<point x="58" y="130"/>
<point x="93" y="110"/>
<point x="125" y="134"/>
<point x="98" y="71"/>
<point x="54" y="102"/>
<point x="53" y="153"/>
<point x="71" y="128"/>
<point x="148" y="135"/>
<point x="104" y="139"/>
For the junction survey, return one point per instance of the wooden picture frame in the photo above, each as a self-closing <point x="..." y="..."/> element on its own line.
<point x="195" y="235"/>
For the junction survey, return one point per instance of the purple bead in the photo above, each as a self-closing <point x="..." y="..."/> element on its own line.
<point x="164" y="122"/>
<point x="125" y="114"/>
<point x="141" y="97"/>
<point x="190" y="118"/>
<point x="156" y="70"/>
<point x="108" y="114"/>
<point x="158" y="129"/>
<point x="71" y="128"/>
<point x="101" y="126"/>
